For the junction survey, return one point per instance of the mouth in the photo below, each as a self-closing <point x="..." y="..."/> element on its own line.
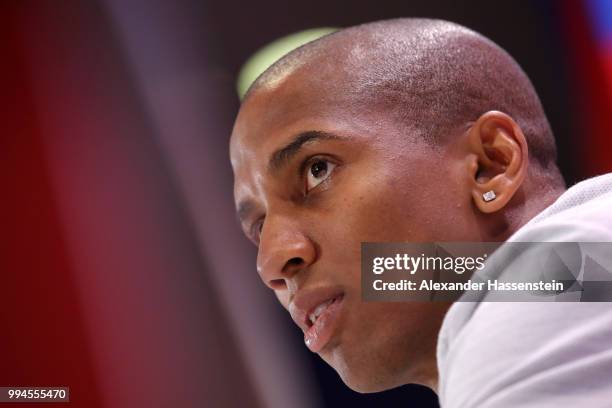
<point x="317" y="315"/>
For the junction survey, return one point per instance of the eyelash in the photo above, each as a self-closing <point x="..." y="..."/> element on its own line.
<point x="256" y="230"/>
<point x="306" y="165"/>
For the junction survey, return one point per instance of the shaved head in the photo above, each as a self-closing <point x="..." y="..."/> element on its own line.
<point x="394" y="131"/>
<point x="431" y="76"/>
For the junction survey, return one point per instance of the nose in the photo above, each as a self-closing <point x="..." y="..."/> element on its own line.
<point x="283" y="252"/>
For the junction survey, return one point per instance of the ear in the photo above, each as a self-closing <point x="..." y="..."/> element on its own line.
<point x="499" y="160"/>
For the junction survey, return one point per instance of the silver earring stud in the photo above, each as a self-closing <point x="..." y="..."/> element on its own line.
<point x="489" y="196"/>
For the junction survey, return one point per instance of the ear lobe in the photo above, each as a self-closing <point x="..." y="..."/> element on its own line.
<point x="499" y="163"/>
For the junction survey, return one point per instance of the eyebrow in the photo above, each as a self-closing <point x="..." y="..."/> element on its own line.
<point x="282" y="156"/>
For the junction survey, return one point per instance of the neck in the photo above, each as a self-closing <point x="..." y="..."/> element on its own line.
<point x="525" y="205"/>
<point x="542" y="196"/>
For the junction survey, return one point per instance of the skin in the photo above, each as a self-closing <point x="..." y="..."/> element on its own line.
<point x="381" y="185"/>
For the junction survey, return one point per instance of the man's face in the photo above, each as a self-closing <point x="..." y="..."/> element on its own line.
<point x="314" y="177"/>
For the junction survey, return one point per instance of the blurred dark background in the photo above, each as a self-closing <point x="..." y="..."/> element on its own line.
<point x="124" y="273"/>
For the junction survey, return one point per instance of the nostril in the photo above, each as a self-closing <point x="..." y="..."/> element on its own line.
<point x="293" y="265"/>
<point x="295" y="261"/>
<point x="278" y="284"/>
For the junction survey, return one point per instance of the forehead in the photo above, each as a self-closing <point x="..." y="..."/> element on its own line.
<point x="296" y="103"/>
<point x="284" y="102"/>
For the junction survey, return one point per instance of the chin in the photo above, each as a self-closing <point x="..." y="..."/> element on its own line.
<point x="364" y="375"/>
<point x="364" y="387"/>
<point x="365" y="384"/>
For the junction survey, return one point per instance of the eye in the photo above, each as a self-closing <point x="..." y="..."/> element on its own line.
<point x="318" y="171"/>
<point x="256" y="231"/>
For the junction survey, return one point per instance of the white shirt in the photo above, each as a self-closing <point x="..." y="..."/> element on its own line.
<point x="499" y="355"/>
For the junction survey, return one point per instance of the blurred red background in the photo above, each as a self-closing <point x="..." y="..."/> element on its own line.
<point x="123" y="272"/>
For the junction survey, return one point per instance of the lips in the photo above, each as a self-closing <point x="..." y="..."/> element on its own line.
<point x="316" y="312"/>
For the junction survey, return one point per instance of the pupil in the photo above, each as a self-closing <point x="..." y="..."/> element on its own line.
<point x="318" y="167"/>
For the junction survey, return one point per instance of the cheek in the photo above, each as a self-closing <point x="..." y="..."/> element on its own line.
<point x="363" y="210"/>
<point x="388" y="207"/>
<point x="386" y="211"/>
<point x="423" y="207"/>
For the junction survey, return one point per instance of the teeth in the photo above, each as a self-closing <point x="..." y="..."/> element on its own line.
<point x="318" y="310"/>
